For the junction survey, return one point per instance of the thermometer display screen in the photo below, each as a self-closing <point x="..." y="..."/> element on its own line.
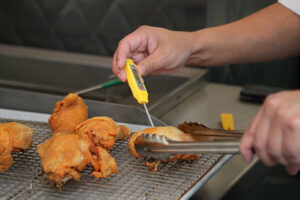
<point x="137" y="77"/>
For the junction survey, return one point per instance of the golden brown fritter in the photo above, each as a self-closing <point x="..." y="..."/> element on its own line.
<point x="6" y="148"/>
<point x="67" y="152"/>
<point x="13" y="138"/>
<point x="103" y="163"/>
<point x="68" y="113"/>
<point x="171" y="133"/>
<point x="63" y="156"/>
<point x="102" y="131"/>
<point x="21" y="135"/>
<point x="124" y="132"/>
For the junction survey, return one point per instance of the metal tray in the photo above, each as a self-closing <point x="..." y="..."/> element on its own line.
<point x="26" y="180"/>
<point x="58" y="73"/>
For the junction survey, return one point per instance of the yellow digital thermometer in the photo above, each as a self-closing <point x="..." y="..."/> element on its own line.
<point x="137" y="86"/>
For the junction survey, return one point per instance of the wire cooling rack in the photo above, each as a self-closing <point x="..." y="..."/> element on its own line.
<point x="26" y="180"/>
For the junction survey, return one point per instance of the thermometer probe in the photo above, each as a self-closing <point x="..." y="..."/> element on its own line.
<point x="137" y="86"/>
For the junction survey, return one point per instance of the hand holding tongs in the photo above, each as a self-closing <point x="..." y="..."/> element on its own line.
<point x="160" y="147"/>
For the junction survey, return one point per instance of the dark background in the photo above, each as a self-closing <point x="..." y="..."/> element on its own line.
<point x="96" y="26"/>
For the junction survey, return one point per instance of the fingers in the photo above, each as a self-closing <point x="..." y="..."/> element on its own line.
<point x="274" y="143"/>
<point x="132" y="43"/>
<point x="132" y="46"/>
<point x="154" y="50"/>
<point x="138" y="56"/>
<point x="246" y="144"/>
<point x="117" y="72"/>
<point x="166" y="71"/>
<point x="268" y="133"/>
<point x="163" y="60"/>
<point x="291" y="139"/>
<point x="293" y="169"/>
<point x="275" y="132"/>
<point x="151" y="63"/>
<point x="258" y="136"/>
<point x="282" y="145"/>
<point x="261" y="137"/>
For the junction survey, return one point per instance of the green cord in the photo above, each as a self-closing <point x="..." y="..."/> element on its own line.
<point x="111" y="83"/>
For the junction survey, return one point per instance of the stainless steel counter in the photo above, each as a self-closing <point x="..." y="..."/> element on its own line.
<point x="205" y="106"/>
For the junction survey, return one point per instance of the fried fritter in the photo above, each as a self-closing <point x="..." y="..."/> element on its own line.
<point x="77" y="142"/>
<point x="21" y="135"/>
<point x="68" y="113"/>
<point x="6" y="148"/>
<point x="102" y="131"/>
<point x="103" y="163"/>
<point x="13" y="138"/>
<point x="171" y="133"/>
<point x="64" y="155"/>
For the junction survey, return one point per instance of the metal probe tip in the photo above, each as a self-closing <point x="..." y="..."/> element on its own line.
<point x="89" y="89"/>
<point x="149" y="117"/>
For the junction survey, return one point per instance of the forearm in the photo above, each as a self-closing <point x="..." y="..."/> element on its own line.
<point x="270" y="34"/>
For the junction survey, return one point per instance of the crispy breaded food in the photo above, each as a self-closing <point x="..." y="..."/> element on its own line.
<point x="21" y="135"/>
<point x="66" y="153"/>
<point x="124" y="132"/>
<point x="103" y="163"/>
<point x="6" y="149"/>
<point x="63" y="156"/>
<point x="171" y="133"/>
<point x="103" y="131"/>
<point x="68" y="113"/>
<point x="13" y="138"/>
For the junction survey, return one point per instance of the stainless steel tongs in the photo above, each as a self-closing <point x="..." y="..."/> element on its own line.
<point x="153" y="146"/>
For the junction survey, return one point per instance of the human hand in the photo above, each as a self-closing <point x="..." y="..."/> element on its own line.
<point x="154" y="50"/>
<point x="274" y="134"/>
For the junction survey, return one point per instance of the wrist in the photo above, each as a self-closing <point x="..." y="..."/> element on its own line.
<point x="199" y="44"/>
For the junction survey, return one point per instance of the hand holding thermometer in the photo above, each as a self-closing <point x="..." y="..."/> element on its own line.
<point x="137" y="86"/>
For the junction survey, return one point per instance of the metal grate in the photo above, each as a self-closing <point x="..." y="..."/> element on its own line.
<point x="26" y="180"/>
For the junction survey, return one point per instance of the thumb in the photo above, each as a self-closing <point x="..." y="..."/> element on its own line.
<point x="150" y="64"/>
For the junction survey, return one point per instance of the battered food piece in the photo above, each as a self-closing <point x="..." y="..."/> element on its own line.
<point x="14" y="137"/>
<point x="124" y="132"/>
<point x="68" y="113"/>
<point x="103" y="163"/>
<point x="77" y="142"/>
<point x="170" y="132"/>
<point x="21" y="135"/>
<point x="63" y="156"/>
<point x="103" y="131"/>
<point x="6" y="149"/>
